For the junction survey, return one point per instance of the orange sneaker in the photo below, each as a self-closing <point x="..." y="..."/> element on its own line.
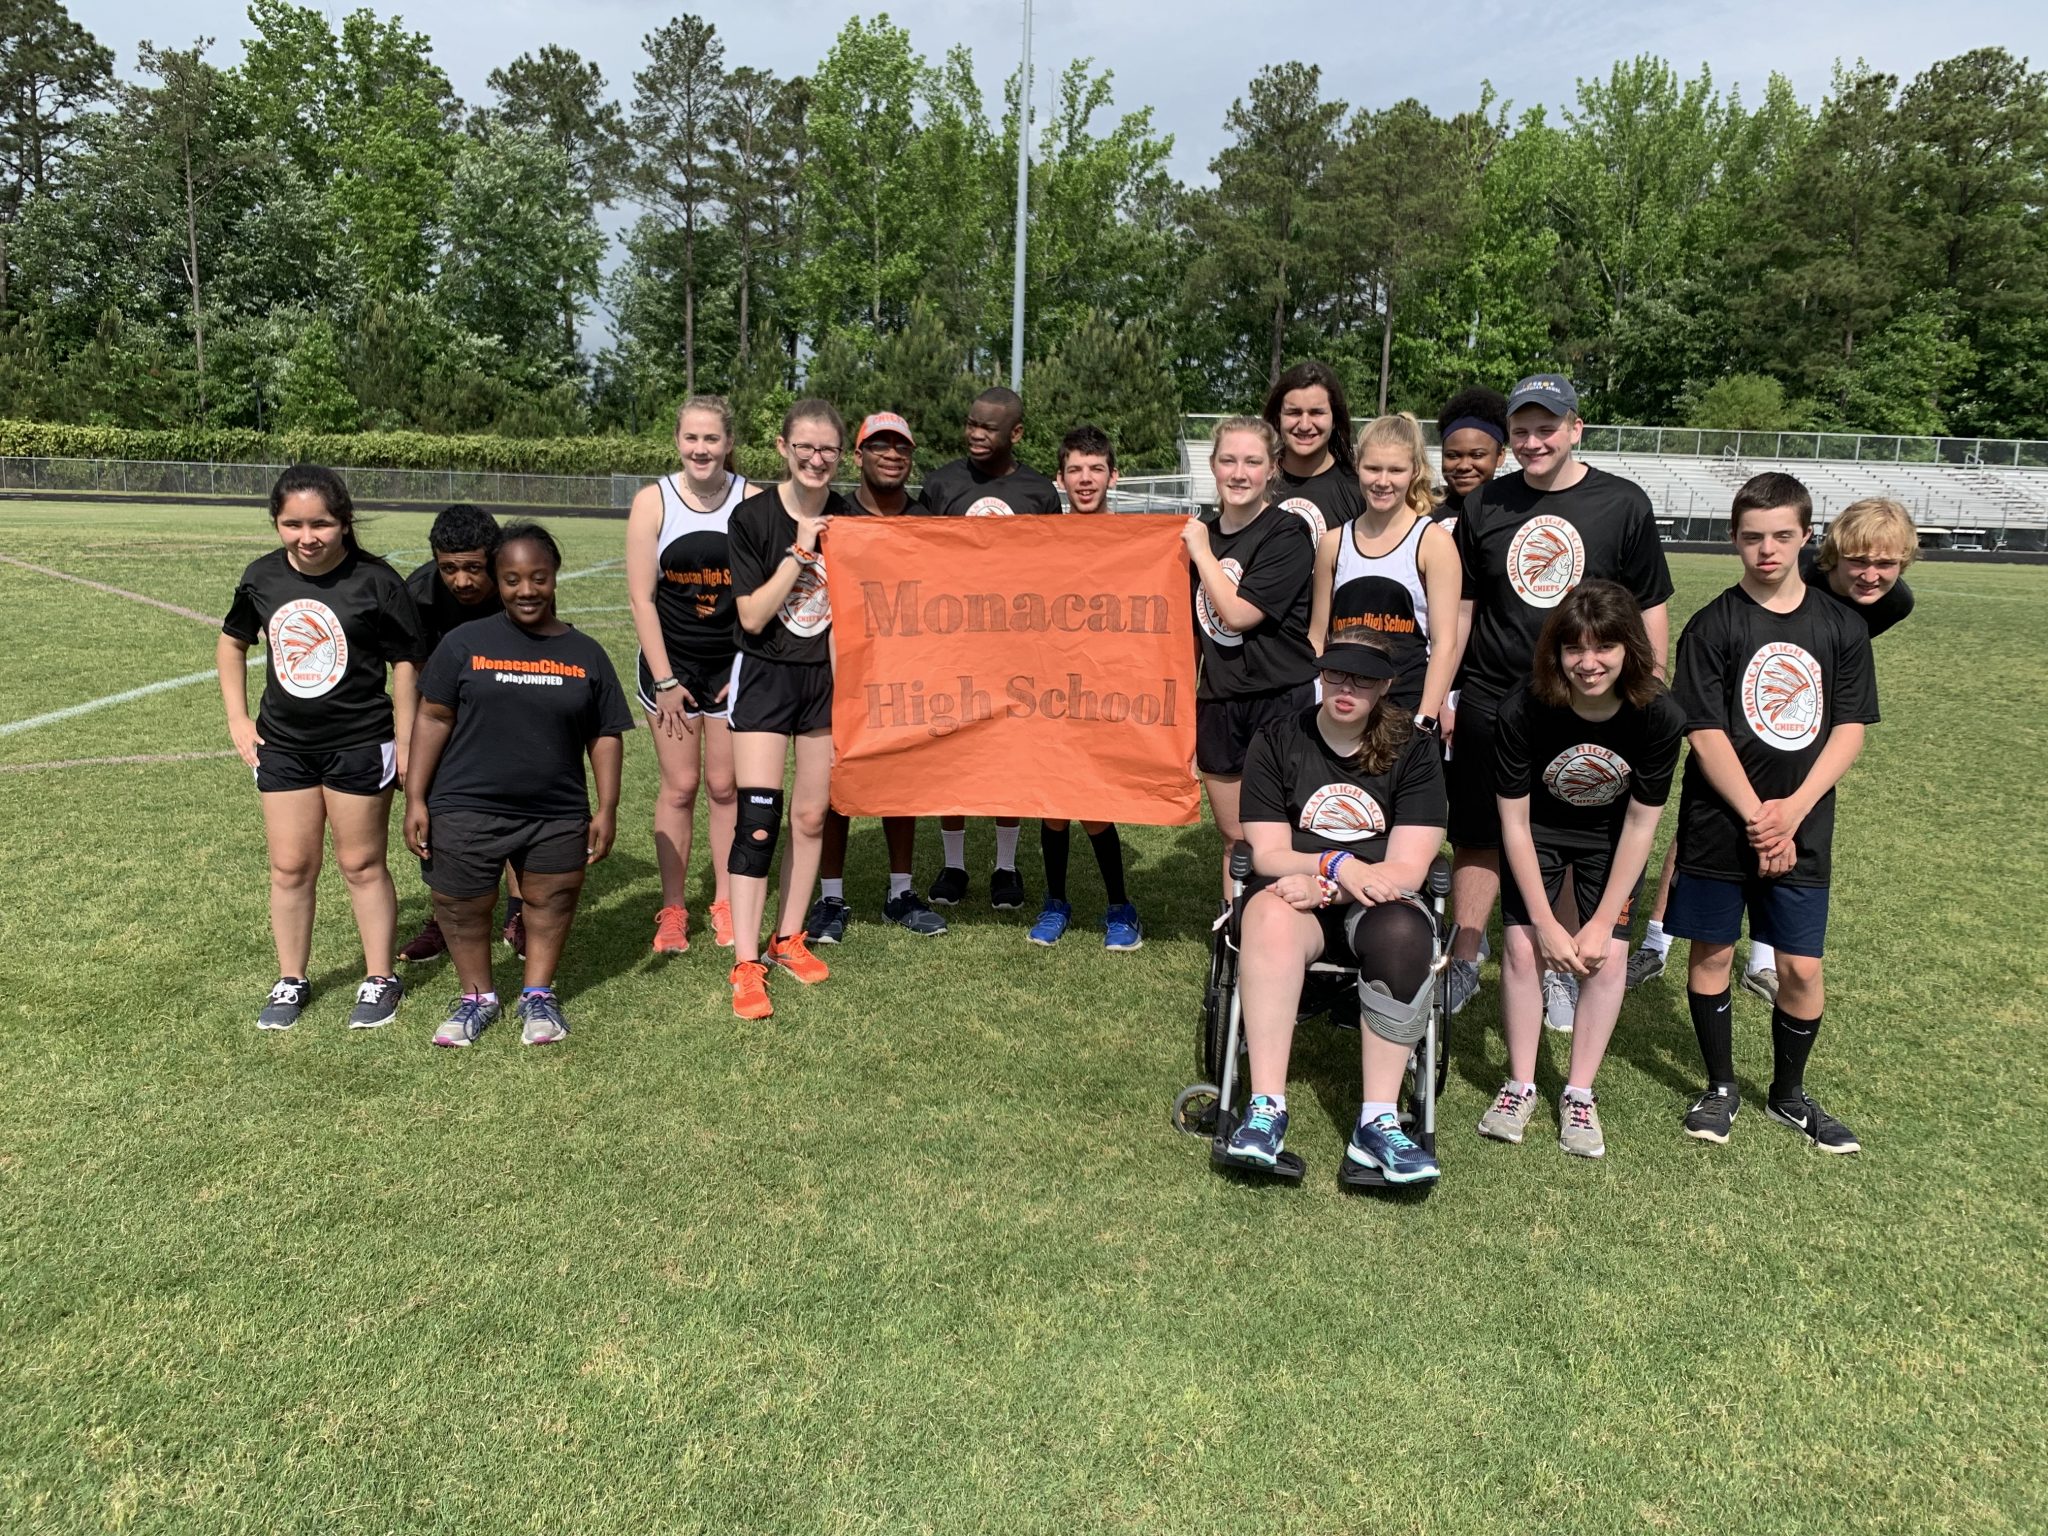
<point x="750" y="990"/>
<point x="794" y="958"/>
<point x="672" y="931"/>
<point x="721" y="924"/>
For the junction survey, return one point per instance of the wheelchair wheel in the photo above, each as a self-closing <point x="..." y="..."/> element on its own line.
<point x="1195" y="1109"/>
<point x="1215" y="1035"/>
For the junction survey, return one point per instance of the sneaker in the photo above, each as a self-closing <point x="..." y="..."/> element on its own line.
<point x="1381" y="1143"/>
<point x="827" y="922"/>
<point x="1646" y="964"/>
<point x="466" y="1020"/>
<point x="794" y="958"/>
<point x="426" y="945"/>
<point x="1811" y="1121"/>
<point x="1510" y="1115"/>
<point x="1259" y="1136"/>
<point x="1578" y="1128"/>
<point x="288" y="1000"/>
<point x="908" y="911"/>
<point x="514" y="934"/>
<point x="1120" y="928"/>
<point x="1763" y="984"/>
<point x="750" y="990"/>
<point x="672" y="931"/>
<point x="376" y="1002"/>
<point x="950" y="889"/>
<point x="540" y="1019"/>
<point x="1560" y="1001"/>
<point x="1712" y="1115"/>
<point x="1006" y="890"/>
<point x="1461" y="984"/>
<point x="1053" y="918"/>
<point x="721" y="924"/>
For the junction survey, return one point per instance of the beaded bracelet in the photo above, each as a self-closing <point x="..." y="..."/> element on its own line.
<point x="1327" y="888"/>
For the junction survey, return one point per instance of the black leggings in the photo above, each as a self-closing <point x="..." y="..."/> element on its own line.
<point x="1393" y="944"/>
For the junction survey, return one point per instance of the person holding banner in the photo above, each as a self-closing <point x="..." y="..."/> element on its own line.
<point x="1318" y="478"/>
<point x="1087" y="472"/>
<point x="1253" y="568"/>
<point x="881" y="450"/>
<point x="780" y="695"/>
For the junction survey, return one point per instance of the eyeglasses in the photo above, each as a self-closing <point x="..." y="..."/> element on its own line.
<point x="1344" y="682"/>
<point x="804" y="453"/>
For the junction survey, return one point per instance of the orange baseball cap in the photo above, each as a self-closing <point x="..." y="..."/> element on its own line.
<point x="884" y="421"/>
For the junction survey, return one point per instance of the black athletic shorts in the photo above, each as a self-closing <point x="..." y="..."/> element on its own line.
<point x="789" y="698"/>
<point x="1224" y="728"/>
<point x="1589" y="883"/>
<point x="702" y="684"/>
<point x="358" y="771"/>
<point x="1469" y="778"/>
<point x="468" y="850"/>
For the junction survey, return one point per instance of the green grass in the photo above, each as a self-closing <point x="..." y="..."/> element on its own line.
<point x="922" y="1254"/>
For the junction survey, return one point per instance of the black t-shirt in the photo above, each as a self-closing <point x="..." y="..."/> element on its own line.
<point x="327" y="640"/>
<point x="1580" y="775"/>
<point x="1777" y="684"/>
<point x="441" y="611"/>
<point x="1272" y="558"/>
<point x="1877" y="617"/>
<point x="1328" y="499"/>
<point x="1524" y="549"/>
<point x="526" y="708"/>
<point x="960" y="489"/>
<point x="1329" y="802"/>
<point x="1445" y="513"/>
<point x="760" y="533"/>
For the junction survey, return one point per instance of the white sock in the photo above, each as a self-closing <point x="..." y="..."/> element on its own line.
<point x="1279" y="1100"/>
<point x="955" y="844"/>
<point x="832" y="890"/>
<point x="1654" y="937"/>
<point x="1372" y="1109"/>
<point x="1006" y="847"/>
<point x="482" y="997"/>
<point x="1761" y="957"/>
<point x="1520" y="1090"/>
<point x="898" y="884"/>
<point x="1583" y="1094"/>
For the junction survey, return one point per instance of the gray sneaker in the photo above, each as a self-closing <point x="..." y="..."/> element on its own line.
<point x="1461" y="983"/>
<point x="377" y="1002"/>
<point x="1646" y="964"/>
<point x="1510" y="1115"/>
<point x="540" y="1019"/>
<point x="1560" y="1001"/>
<point x="1763" y="984"/>
<point x="468" y="1019"/>
<point x="287" y="1001"/>
<point x="1578" y="1128"/>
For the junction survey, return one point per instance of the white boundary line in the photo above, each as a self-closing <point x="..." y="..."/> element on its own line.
<point x="590" y="570"/>
<point x="101" y="586"/>
<point x="114" y="762"/>
<point x="73" y="711"/>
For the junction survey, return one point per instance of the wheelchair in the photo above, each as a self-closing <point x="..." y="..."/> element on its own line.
<point x="1213" y="1107"/>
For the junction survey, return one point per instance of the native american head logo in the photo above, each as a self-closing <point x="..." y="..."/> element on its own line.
<point x="1309" y="513"/>
<point x="1546" y="559"/>
<point x="990" y="506"/>
<point x="1587" y="775"/>
<point x="808" y="608"/>
<point x="1205" y="611"/>
<point x="308" y="648"/>
<point x="1782" y="697"/>
<point x="1343" y="813"/>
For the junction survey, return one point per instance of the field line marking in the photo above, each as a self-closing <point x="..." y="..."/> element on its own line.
<point x="1989" y="597"/>
<point x="73" y="711"/>
<point x="109" y="762"/>
<point x="208" y="620"/>
<point x="589" y="570"/>
<point x="601" y="608"/>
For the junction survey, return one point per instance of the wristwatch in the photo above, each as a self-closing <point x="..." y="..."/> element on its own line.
<point x="664" y="684"/>
<point x="1427" y="724"/>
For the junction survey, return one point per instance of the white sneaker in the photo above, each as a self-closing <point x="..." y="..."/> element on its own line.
<point x="1560" y="1001"/>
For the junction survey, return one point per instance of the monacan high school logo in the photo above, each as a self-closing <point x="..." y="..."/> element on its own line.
<point x="1587" y="775"/>
<point x="1309" y="513"/>
<point x="990" y="506"/>
<point x="1782" y="696"/>
<point x="1344" y="813"/>
<point x="1205" y="611"/>
<point x="308" y="649"/>
<point x="1545" y="560"/>
<point x="808" y="608"/>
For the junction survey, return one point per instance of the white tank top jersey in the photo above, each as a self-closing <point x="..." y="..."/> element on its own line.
<point x="1402" y="564"/>
<point x="679" y="518"/>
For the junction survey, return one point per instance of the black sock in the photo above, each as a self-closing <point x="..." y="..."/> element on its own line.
<point x="1109" y="858"/>
<point x="1055" y="846"/>
<point x="513" y="907"/>
<point x="1714" y="1026"/>
<point x="1791" y="1043"/>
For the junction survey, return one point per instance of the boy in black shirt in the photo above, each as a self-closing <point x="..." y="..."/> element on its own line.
<point x="1777" y="686"/>
<point x="989" y="482"/>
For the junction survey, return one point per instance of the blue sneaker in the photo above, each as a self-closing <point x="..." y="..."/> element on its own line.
<point x="1120" y="928"/>
<point x="1381" y="1143"/>
<point x="1260" y="1135"/>
<point x="468" y="1019"/>
<point x="1053" y="918"/>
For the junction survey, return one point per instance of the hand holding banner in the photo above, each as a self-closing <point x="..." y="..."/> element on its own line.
<point x="1028" y="666"/>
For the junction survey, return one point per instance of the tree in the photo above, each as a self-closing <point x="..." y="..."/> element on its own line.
<point x="1743" y="402"/>
<point x="1898" y="382"/>
<point x="749" y="167"/>
<point x="313" y="395"/>
<point x="1118" y="377"/>
<point x="676" y="100"/>
<point x="51" y="69"/>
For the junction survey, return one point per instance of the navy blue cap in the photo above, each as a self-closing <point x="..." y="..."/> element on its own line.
<point x="1552" y="391"/>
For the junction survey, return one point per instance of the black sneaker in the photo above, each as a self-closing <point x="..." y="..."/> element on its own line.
<point x="1811" y="1121"/>
<point x="288" y="1000"/>
<point x="908" y="911"/>
<point x="1006" y="890"/>
<point x="950" y="889"/>
<point x="827" y="922"/>
<point x="1712" y="1115"/>
<point x="376" y="1002"/>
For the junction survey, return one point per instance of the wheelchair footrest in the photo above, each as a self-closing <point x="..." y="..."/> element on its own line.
<point x="1352" y="1175"/>
<point x="1287" y="1167"/>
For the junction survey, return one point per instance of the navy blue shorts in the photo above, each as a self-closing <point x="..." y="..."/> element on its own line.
<point x="1791" y="918"/>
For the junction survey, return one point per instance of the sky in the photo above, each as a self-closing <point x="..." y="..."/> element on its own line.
<point x="1188" y="59"/>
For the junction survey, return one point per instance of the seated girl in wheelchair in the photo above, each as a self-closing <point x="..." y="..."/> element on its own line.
<point x="1343" y="806"/>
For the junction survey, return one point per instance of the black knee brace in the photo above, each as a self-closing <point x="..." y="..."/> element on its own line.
<point x="1394" y="944"/>
<point x="753" y="840"/>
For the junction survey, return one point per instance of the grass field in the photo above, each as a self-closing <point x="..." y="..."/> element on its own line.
<point x="921" y="1253"/>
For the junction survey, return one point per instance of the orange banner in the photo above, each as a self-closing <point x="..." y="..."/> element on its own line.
<point x="1026" y="666"/>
